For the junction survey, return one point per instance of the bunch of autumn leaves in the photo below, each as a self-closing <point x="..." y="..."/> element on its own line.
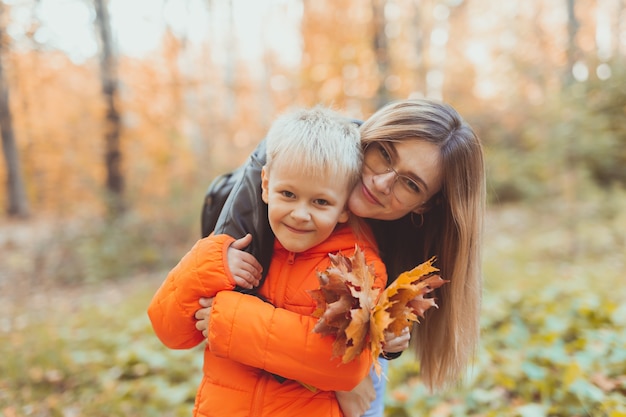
<point x="357" y="314"/>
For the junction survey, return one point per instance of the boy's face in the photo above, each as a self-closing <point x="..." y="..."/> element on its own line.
<point x="303" y="210"/>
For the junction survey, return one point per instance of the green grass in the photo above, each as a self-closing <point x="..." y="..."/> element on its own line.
<point x="553" y="334"/>
<point x="93" y="354"/>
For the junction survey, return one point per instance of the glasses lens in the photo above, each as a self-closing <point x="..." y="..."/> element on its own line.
<point x="406" y="190"/>
<point x="378" y="160"/>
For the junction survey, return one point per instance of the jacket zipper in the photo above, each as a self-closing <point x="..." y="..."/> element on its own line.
<point x="259" y="395"/>
<point x="279" y="299"/>
<point x="259" y="390"/>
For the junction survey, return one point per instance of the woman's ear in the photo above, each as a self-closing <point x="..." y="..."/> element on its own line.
<point x="428" y="205"/>
<point x="265" y="178"/>
<point x="422" y="208"/>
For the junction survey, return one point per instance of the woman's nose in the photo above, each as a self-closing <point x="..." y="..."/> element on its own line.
<point x="384" y="182"/>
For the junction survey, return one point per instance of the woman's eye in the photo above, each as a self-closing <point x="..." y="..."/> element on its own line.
<point x="385" y="155"/>
<point x="411" y="185"/>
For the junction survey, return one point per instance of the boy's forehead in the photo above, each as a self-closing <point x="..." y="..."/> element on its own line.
<point x="298" y="172"/>
<point x="299" y="165"/>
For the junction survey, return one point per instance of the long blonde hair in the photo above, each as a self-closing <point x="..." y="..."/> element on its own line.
<point x="452" y="231"/>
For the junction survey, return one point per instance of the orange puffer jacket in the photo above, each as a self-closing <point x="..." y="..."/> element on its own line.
<point x="250" y="341"/>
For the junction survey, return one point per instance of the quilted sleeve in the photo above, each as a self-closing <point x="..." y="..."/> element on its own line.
<point x="245" y="329"/>
<point x="202" y="272"/>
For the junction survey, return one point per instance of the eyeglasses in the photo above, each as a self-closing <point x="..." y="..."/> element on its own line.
<point x="377" y="158"/>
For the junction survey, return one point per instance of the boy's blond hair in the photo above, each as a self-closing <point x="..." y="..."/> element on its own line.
<point x="318" y="141"/>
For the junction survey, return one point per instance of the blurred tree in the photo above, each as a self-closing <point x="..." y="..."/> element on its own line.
<point x="17" y="202"/>
<point x="439" y="37"/>
<point x="194" y="107"/>
<point x="338" y="59"/>
<point x="570" y="172"/>
<point x="419" y="41"/>
<point x="572" y="50"/>
<point x="230" y="67"/>
<point x="109" y="80"/>
<point x="381" y="50"/>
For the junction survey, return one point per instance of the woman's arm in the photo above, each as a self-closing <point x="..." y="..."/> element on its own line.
<point x="245" y="211"/>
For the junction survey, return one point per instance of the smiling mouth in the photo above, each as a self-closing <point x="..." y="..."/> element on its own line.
<point x="294" y="230"/>
<point x="369" y="196"/>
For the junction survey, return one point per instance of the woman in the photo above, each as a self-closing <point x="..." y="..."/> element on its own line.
<point x="423" y="194"/>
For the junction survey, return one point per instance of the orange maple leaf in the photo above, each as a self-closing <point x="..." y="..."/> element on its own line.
<point x="352" y="311"/>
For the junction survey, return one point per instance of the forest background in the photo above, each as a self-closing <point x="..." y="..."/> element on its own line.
<point x="115" y="121"/>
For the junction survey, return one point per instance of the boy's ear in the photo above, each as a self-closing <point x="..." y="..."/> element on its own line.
<point x="264" y="184"/>
<point x="344" y="216"/>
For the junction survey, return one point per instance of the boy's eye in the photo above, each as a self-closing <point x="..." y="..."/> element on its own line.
<point x="287" y="194"/>
<point x="322" y="202"/>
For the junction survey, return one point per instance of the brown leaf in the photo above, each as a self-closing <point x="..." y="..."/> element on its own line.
<point x="334" y="302"/>
<point x="345" y="299"/>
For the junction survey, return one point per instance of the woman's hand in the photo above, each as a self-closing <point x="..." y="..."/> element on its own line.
<point x="395" y="344"/>
<point x="356" y="402"/>
<point x="203" y="316"/>
<point x="244" y="267"/>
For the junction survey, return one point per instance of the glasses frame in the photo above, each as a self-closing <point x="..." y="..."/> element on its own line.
<point x="388" y="164"/>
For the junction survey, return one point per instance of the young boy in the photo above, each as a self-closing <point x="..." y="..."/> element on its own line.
<point x="262" y="355"/>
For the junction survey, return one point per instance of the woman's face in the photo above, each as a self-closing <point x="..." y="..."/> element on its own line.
<point x="376" y="195"/>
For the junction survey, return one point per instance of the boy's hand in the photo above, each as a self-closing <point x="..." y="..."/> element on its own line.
<point x="244" y="267"/>
<point x="356" y="402"/>
<point x="394" y="344"/>
<point x="204" y="315"/>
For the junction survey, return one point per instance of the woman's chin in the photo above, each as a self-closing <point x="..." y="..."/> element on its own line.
<point x="362" y="207"/>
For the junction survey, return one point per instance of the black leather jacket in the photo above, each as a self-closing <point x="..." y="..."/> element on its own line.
<point x="244" y="211"/>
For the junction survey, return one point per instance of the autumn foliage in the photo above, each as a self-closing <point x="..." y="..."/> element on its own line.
<point x="358" y="315"/>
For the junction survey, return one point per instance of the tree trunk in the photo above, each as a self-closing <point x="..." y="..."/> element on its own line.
<point x="438" y="53"/>
<point x="572" y="48"/>
<point x="17" y="202"/>
<point x="381" y="51"/>
<point x="419" y="40"/>
<point x="570" y="172"/>
<point x="230" y="70"/>
<point x="108" y="76"/>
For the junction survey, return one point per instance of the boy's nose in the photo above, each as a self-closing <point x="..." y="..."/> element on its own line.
<point x="300" y="213"/>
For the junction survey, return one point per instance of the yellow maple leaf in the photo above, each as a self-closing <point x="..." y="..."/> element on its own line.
<point x="402" y="303"/>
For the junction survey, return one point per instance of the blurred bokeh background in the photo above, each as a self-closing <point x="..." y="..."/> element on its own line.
<point x="116" y="115"/>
